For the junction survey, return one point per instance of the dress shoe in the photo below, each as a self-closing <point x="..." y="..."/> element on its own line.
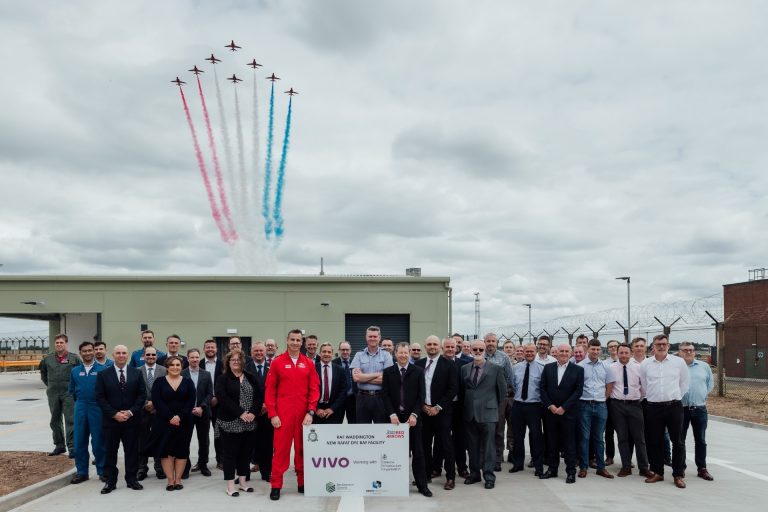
<point x="603" y="473"/>
<point x="274" y="494"/>
<point x="178" y="487"/>
<point x="425" y="492"/>
<point x="624" y="472"/>
<point x="497" y="467"/>
<point x="136" y="486"/>
<point x="593" y="463"/>
<point x="71" y="455"/>
<point x="548" y="474"/>
<point x="490" y="485"/>
<point x="449" y="485"/>
<point x="78" y="479"/>
<point x="435" y="473"/>
<point x="703" y="473"/>
<point x="464" y="473"/>
<point x="195" y="468"/>
<point x="538" y="473"/>
<point x="205" y="471"/>
<point x="169" y="487"/>
<point x="679" y="482"/>
<point x="609" y="461"/>
<point x="655" y="477"/>
<point x="530" y="463"/>
<point x="470" y="480"/>
<point x="582" y="473"/>
<point x="647" y="473"/>
<point x="570" y="478"/>
<point x="301" y="489"/>
<point x="515" y="469"/>
<point x="57" y="451"/>
<point x="141" y="475"/>
<point x="108" y="488"/>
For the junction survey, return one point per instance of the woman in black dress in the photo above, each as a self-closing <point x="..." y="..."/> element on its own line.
<point x="173" y="397"/>
<point x="240" y="397"/>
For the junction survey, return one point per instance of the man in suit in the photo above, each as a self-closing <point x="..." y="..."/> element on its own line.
<point x="333" y="388"/>
<point x="262" y="450"/>
<point x="310" y="345"/>
<point x="441" y="387"/>
<point x="483" y="388"/>
<point x="151" y="371"/>
<point x="121" y="393"/>
<point x="201" y="413"/>
<point x="214" y="366"/>
<point x="403" y="390"/>
<point x="345" y="360"/>
<point x="561" y="386"/>
<point x="173" y="344"/>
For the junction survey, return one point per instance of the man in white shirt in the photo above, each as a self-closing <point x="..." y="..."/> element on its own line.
<point x="543" y="357"/>
<point x="665" y="380"/>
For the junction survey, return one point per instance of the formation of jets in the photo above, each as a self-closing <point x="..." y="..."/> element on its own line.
<point x="213" y="60"/>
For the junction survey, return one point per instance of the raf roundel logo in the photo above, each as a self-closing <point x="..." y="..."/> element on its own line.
<point x="312" y="436"/>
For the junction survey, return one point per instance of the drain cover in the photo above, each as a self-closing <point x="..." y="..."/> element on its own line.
<point x="9" y="422"/>
<point x="27" y="399"/>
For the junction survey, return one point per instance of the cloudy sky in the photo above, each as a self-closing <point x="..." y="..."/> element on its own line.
<point x="532" y="151"/>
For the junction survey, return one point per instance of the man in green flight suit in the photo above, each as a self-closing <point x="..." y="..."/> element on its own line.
<point x="55" y="370"/>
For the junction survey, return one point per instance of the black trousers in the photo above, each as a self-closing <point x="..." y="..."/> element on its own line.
<point x="458" y="439"/>
<point x="113" y="434"/>
<point x="667" y="416"/>
<point x="216" y="440"/>
<point x="561" y="436"/>
<point x="334" y="419"/>
<point x="349" y="408"/>
<point x="527" y="416"/>
<point x="263" y="446"/>
<point x="236" y="453"/>
<point x="370" y="409"/>
<point x="203" y="429"/>
<point x="437" y="441"/>
<point x="610" y="446"/>
<point x="145" y="429"/>
<point x="417" y="451"/>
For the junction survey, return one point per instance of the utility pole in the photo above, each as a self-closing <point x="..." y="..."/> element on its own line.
<point x="629" y="320"/>
<point x="477" y="315"/>
<point x="529" y="321"/>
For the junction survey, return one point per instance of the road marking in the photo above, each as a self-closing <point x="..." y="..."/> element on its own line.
<point x="729" y="465"/>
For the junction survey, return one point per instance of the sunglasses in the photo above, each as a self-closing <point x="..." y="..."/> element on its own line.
<point x="478" y="350"/>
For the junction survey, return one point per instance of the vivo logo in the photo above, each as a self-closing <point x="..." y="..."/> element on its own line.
<point x="330" y="462"/>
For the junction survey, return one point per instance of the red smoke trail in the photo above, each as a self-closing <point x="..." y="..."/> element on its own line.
<point x="216" y="167"/>
<point x="206" y="179"/>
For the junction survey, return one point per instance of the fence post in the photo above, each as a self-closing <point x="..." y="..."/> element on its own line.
<point x="720" y="329"/>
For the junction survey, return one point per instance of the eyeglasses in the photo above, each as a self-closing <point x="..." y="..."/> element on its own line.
<point x="415" y="350"/>
<point x="478" y="350"/>
<point x="686" y="350"/>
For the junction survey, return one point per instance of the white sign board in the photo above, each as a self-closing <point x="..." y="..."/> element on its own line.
<point x="356" y="460"/>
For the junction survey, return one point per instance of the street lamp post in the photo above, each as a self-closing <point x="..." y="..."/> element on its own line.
<point x="529" y="321"/>
<point x="629" y="324"/>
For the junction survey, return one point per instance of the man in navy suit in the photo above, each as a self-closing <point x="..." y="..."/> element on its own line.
<point x="333" y="388"/>
<point x="442" y="386"/>
<point x="560" y="388"/>
<point x="344" y="360"/>
<point x="402" y="390"/>
<point x="121" y="393"/>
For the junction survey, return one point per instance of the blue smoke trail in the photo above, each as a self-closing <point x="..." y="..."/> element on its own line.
<point x="277" y="213"/>
<point x="268" y="168"/>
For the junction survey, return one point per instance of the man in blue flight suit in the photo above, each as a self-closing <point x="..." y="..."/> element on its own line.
<point x="82" y="383"/>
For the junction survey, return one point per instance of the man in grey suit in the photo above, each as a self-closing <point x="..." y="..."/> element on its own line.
<point x="201" y="413"/>
<point x="151" y="371"/>
<point x="483" y="387"/>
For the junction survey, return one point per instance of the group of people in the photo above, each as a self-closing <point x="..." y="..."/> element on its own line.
<point x="457" y="398"/>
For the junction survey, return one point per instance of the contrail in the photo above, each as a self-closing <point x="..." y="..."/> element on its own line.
<point x="206" y="180"/>
<point x="277" y="213"/>
<point x="227" y="147"/>
<point x="243" y="178"/>
<point x="268" y="168"/>
<point x="253" y="192"/>
<point x="216" y="167"/>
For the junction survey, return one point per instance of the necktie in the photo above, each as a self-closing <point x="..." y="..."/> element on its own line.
<point x="150" y="377"/>
<point x="122" y="380"/>
<point x="402" y="389"/>
<point x="476" y="374"/>
<point x="526" y="378"/>
<point x="326" y="387"/>
<point x="429" y="364"/>
<point x="258" y="369"/>
<point x="626" y="381"/>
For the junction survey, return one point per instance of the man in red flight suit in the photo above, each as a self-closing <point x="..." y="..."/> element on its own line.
<point x="292" y="392"/>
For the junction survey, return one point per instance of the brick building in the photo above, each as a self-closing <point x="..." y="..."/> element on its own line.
<point x="746" y="326"/>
